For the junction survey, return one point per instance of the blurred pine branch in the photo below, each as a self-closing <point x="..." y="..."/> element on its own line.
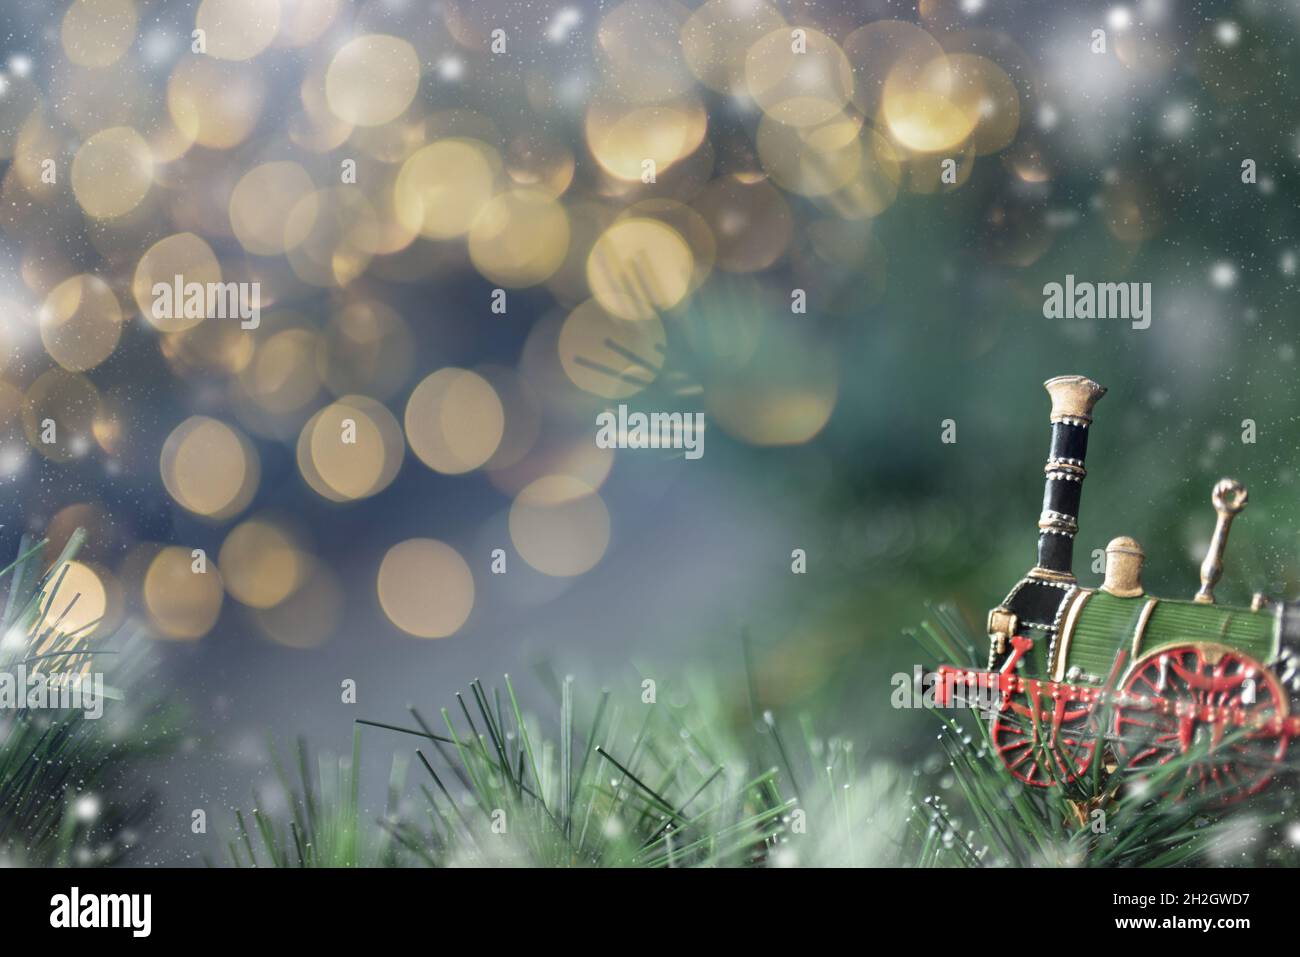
<point x="68" y="782"/>
<point x="650" y="785"/>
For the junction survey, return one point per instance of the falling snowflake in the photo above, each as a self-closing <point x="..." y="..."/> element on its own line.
<point x="1227" y="33"/>
<point x="1223" y="275"/>
<point x="86" y="808"/>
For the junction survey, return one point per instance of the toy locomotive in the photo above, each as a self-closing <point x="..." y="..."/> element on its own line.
<point x="1131" y="679"/>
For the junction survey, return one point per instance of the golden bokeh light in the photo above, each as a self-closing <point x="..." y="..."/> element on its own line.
<point x="634" y="143"/>
<point x="425" y="588"/>
<point x="559" y="525"/>
<point x="304" y="21"/>
<point x="639" y="50"/>
<point x="260" y="563"/>
<point x="237" y="29"/>
<point x="81" y="322"/>
<point x="260" y="205"/>
<point x="609" y="356"/>
<point x="351" y="449"/>
<point x="949" y="100"/>
<point x="926" y="122"/>
<point x="80" y="605"/>
<point x="883" y="49"/>
<point x="112" y="172"/>
<point x="789" y="416"/>
<point x="443" y="187"/>
<point x="109" y="427"/>
<point x="811" y="161"/>
<point x="519" y="238"/>
<point x="183" y="254"/>
<point x="372" y="79"/>
<point x="168" y="143"/>
<point x="798" y="76"/>
<point x="454" y="421"/>
<point x="209" y="468"/>
<point x="987" y="91"/>
<point x="95" y="33"/>
<point x="689" y="225"/>
<point x="316" y="128"/>
<point x="215" y="103"/>
<point x="717" y="37"/>
<point x="784" y="394"/>
<point x="640" y="267"/>
<point x="59" y="411"/>
<point x="281" y="378"/>
<point x="308" y="616"/>
<point x="182" y="602"/>
<point x="874" y="186"/>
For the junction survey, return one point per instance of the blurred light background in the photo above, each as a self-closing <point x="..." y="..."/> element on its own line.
<point x="475" y="224"/>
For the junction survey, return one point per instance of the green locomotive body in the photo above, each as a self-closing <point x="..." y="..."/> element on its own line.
<point x="1102" y="624"/>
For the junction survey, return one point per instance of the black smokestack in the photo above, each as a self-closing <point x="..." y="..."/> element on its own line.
<point x="1073" y="397"/>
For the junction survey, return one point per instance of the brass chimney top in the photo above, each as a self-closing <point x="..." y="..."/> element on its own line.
<point x="1073" y="397"/>
<point x="1123" y="568"/>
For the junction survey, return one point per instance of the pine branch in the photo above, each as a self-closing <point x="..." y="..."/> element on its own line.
<point x="672" y="787"/>
<point x="65" y="791"/>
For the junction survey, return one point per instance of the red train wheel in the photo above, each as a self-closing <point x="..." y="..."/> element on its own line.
<point x="1207" y="698"/>
<point x="1044" y="740"/>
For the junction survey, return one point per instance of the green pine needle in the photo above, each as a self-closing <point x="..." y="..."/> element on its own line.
<point x="673" y="787"/>
<point x="65" y="779"/>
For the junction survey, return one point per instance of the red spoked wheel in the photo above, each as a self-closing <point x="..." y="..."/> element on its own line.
<point x="1044" y="734"/>
<point x="1205" y="698"/>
